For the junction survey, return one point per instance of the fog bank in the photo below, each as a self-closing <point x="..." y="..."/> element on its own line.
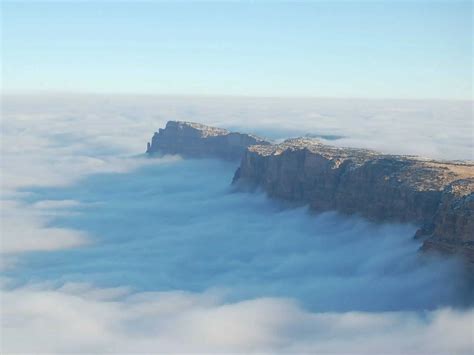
<point x="104" y="250"/>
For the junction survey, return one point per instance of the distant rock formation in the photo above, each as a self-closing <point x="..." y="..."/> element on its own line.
<point x="437" y="195"/>
<point x="199" y="141"/>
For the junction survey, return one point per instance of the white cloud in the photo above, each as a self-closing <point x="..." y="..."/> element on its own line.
<point x="110" y="320"/>
<point x="57" y="141"/>
<point x="58" y="145"/>
<point x="437" y="129"/>
<point x="26" y="229"/>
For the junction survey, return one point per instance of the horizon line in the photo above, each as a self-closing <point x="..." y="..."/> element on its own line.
<point x="220" y="96"/>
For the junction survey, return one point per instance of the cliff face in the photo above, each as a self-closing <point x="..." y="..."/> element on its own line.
<point x="199" y="141"/>
<point x="453" y="224"/>
<point x="439" y="196"/>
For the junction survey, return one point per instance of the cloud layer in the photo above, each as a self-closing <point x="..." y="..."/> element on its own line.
<point x="436" y="129"/>
<point x="78" y="316"/>
<point x="175" y="226"/>
<point x="197" y="267"/>
<point x="104" y="250"/>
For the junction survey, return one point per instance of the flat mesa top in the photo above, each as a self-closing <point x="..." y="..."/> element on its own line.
<point x="315" y="146"/>
<point x="206" y="131"/>
<point x="209" y="131"/>
<point x="418" y="172"/>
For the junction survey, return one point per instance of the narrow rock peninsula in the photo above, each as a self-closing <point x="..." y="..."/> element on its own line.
<point x="436" y="195"/>
<point x="199" y="141"/>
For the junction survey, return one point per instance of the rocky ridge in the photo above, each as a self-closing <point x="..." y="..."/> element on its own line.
<point x="436" y="195"/>
<point x="198" y="141"/>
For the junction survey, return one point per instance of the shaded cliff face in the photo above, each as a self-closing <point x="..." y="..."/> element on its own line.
<point x="452" y="230"/>
<point x="199" y="141"/>
<point x="439" y="196"/>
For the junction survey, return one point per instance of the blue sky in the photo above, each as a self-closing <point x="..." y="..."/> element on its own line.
<point x="377" y="49"/>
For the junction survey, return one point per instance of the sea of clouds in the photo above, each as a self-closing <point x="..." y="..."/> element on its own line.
<point x="105" y="250"/>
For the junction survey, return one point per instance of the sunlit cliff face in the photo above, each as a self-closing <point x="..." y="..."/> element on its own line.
<point x="105" y="250"/>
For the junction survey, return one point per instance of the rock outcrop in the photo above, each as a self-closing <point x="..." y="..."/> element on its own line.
<point x="436" y="195"/>
<point x="199" y="141"/>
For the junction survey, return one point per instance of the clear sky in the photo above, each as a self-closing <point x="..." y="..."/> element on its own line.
<point x="390" y="49"/>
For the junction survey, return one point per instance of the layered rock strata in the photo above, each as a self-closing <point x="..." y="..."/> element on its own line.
<point x="199" y="141"/>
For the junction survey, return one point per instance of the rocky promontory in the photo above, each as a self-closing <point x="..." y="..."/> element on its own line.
<point x="199" y="141"/>
<point x="436" y="195"/>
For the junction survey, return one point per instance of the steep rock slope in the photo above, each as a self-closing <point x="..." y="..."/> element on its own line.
<point x="199" y="141"/>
